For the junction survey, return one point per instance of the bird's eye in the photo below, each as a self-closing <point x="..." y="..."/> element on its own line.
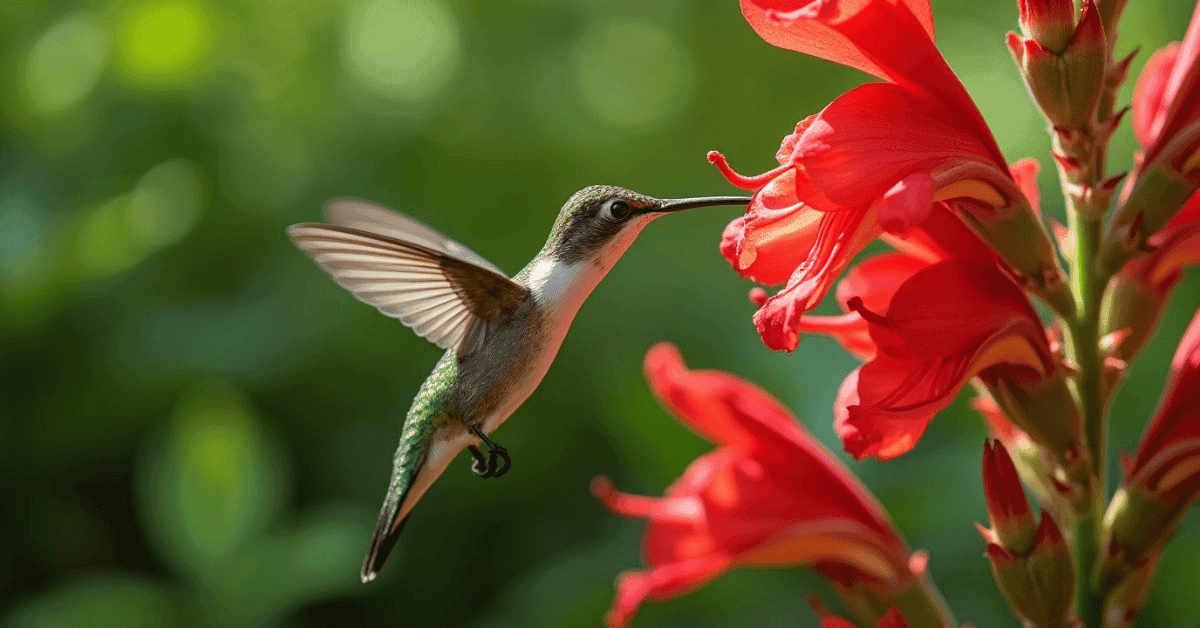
<point x="618" y="210"/>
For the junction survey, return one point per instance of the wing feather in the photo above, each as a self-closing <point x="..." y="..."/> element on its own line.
<point x="372" y="218"/>
<point x="410" y="272"/>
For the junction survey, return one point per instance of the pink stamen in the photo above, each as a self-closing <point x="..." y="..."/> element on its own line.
<point x="752" y="184"/>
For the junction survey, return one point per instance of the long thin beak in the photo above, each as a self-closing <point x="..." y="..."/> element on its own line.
<point x="677" y="204"/>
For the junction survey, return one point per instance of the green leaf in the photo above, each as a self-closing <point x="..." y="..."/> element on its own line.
<point x="100" y="601"/>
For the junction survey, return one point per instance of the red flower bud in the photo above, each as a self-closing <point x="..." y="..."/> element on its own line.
<point x="1007" y="506"/>
<point x="1063" y="69"/>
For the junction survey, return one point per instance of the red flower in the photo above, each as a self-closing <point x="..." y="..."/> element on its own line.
<point x="1167" y="97"/>
<point x="1166" y="121"/>
<point x="1167" y="463"/>
<point x="769" y="495"/>
<point x="873" y="281"/>
<point x="944" y="325"/>
<point x="1139" y="294"/>
<point x="876" y="159"/>
<point x="1162" y="480"/>
<point x="891" y="620"/>
<point x="1175" y="247"/>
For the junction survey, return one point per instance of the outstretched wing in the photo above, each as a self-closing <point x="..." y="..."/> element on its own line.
<point x="372" y="218"/>
<point x="411" y="272"/>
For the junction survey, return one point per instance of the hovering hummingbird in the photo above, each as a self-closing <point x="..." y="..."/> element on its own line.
<point x="500" y="334"/>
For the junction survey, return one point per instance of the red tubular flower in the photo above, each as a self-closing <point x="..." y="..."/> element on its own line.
<point x="1150" y="99"/>
<point x="1138" y="295"/>
<point x="1162" y="480"/>
<point x="769" y="495"/>
<point x="873" y="281"/>
<point x="946" y="324"/>
<point x="1167" y="463"/>
<point x="891" y="620"/>
<point x="878" y="158"/>
<point x="1166" y="122"/>
<point x="1167" y="96"/>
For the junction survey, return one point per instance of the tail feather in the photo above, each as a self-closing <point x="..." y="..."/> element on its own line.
<point x="406" y="473"/>
<point x="419" y="463"/>
<point x="387" y="532"/>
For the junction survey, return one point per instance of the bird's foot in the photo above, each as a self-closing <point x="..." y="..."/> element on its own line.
<point x="495" y="464"/>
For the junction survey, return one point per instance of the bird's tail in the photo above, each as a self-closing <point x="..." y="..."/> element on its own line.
<point x="419" y="463"/>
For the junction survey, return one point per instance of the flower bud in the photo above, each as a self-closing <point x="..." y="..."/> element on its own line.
<point x="1161" y="189"/>
<point x="1031" y="461"/>
<point x="1136" y="526"/>
<point x="1045" y="410"/>
<point x="1039" y="585"/>
<point x="1007" y="506"/>
<point x="1110" y="13"/>
<point x="1066" y="82"/>
<point x="1133" y="305"/>
<point x="1125" y="603"/>
<point x="1049" y="22"/>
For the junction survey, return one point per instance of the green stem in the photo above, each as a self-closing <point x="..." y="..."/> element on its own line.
<point x="1084" y="350"/>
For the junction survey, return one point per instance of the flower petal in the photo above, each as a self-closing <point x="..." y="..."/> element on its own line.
<point x="861" y="144"/>
<point x="1025" y="173"/>
<point x="807" y="27"/>
<point x="953" y="306"/>
<point x="944" y="325"/>
<point x="768" y="245"/>
<point x="661" y="582"/>
<point x="840" y="236"/>
<point x="1149" y="108"/>
<point x="1175" y="426"/>
<point x="906" y="205"/>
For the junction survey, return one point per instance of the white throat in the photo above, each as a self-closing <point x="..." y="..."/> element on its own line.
<point x="561" y="288"/>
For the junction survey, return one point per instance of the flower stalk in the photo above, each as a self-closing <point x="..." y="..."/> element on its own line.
<point x="1080" y="134"/>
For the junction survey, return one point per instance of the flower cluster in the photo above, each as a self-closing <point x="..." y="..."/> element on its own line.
<point x="910" y="161"/>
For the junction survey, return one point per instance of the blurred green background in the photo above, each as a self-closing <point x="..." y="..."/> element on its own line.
<point x="196" y="424"/>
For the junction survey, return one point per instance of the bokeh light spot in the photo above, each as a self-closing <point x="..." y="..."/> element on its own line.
<point x="65" y="63"/>
<point x="633" y="75"/>
<point x="215" y="449"/>
<point x="165" y="42"/>
<point x="103" y="245"/>
<point x="161" y="209"/>
<point x="166" y="203"/>
<point x="405" y="50"/>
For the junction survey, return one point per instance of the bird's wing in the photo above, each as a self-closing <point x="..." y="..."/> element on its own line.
<point x="447" y="298"/>
<point x="372" y="218"/>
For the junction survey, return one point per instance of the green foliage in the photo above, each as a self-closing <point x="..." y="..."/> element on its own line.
<point x="196" y="425"/>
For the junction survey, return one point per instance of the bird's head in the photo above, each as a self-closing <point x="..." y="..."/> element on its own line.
<point x="598" y="223"/>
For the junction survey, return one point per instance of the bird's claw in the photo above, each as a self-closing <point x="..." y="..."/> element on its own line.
<point x="495" y="464"/>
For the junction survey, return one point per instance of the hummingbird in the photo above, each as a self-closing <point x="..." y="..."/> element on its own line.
<point x="500" y="334"/>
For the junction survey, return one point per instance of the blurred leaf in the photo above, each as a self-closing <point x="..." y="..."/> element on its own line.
<point x="211" y="484"/>
<point x="100" y="601"/>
